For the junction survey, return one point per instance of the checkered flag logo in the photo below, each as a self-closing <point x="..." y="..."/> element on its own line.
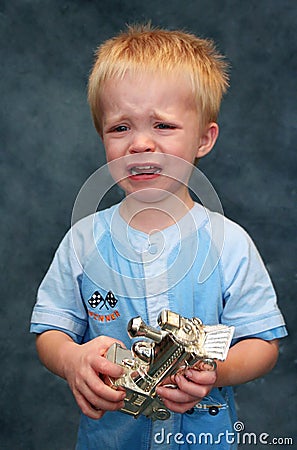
<point x="111" y="300"/>
<point x="97" y="299"/>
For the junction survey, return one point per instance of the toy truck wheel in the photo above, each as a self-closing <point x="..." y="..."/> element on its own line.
<point x="161" y="414"/>
<point x="213" y="410"/>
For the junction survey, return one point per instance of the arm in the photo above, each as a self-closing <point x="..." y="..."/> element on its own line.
<point x="247" y="360"/>
<point x="81" y="366"/>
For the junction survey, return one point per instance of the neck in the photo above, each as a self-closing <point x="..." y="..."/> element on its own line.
<point x="150" y="217"/>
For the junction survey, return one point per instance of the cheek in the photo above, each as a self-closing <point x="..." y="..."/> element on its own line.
<point x="112" y="150"/>
<point x="186" y="150"/>
<point x="187" y="143"/>
<point x="115" y="148"/>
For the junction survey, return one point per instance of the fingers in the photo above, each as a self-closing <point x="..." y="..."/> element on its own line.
<point x="180" y="396"/>
<point x="95" y="411"/>
<point x="192" y="386"/>
<point x="99" y="363"/>
<point x="92" y="394"/>
<point x="179" y="407"/>
<point x="196" y="381"/>
<point x="88" y="364"/>
<point x="87" y="408"/>
<point x="103" y="366"/>
<point x="99" y="389"/>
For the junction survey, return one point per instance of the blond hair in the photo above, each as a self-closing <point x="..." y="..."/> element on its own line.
<point x="143" y="48"/>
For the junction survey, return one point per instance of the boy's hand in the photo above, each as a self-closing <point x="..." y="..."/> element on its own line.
<point x="83" y="366"/>
<point x="192" y="386"/>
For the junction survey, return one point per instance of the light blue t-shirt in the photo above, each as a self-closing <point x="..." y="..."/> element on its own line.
<point x="105" y="272"/>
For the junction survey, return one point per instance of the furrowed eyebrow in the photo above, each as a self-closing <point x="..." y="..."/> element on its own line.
<point x="160" y="116"/>
<point x="114" y="120"/>
<point x="164" y="117"/>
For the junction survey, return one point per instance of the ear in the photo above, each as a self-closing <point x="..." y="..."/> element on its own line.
<point x="207" y="139"/>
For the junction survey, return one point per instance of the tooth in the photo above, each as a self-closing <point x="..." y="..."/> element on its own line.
<point x="136" y="170"/>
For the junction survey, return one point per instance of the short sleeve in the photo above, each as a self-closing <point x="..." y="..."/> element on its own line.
<point x="250" y="302"/>
<point x="59" y="303"/>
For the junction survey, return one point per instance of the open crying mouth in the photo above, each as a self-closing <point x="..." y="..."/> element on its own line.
<point x="144" y="170"/>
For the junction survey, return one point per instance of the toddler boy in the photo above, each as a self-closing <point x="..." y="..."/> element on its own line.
<point x="155" y="97"/>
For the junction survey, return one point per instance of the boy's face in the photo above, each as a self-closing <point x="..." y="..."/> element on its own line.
<point x="151" y="123"/>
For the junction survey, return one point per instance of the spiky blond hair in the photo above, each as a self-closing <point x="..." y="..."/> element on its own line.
<point x="144" y="49"/>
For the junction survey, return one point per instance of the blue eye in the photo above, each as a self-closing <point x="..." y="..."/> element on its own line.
<point x="120" y="129"/>
<point x="165" y="126"/>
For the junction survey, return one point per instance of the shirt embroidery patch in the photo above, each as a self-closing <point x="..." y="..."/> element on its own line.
<point x="108" y="302"/>
<point x="97" y="300"/>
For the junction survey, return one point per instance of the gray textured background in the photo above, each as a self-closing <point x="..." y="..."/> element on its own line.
<point x="49" y="148"/>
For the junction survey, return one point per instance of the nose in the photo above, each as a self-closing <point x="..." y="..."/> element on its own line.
<point x="142" y="143"/>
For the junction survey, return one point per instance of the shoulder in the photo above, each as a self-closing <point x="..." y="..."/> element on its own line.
<point x="94" y="223"/>
<point x="231" y="244"/>
<point x="231" y="234"/>
<point x="240" y="259"/>
<point x="236" y="236"/>
<point x="225" y="235"/>
<point x="84" y="234"/>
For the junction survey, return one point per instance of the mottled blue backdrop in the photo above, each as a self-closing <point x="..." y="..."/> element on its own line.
<point x="49" y="148"/>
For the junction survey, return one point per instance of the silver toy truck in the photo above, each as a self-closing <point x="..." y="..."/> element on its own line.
<point x="179" y="343"/>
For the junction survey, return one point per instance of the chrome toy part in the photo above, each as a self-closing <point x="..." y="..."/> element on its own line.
<point x="178" y="344"/>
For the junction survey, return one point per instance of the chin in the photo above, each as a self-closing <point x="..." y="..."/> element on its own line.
<point x="148" y="195"/>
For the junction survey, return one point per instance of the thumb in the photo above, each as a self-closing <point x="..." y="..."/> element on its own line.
<point x="105" y="342"/>
<point x="103" y="365"/>
<point x="106" y="367"/>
